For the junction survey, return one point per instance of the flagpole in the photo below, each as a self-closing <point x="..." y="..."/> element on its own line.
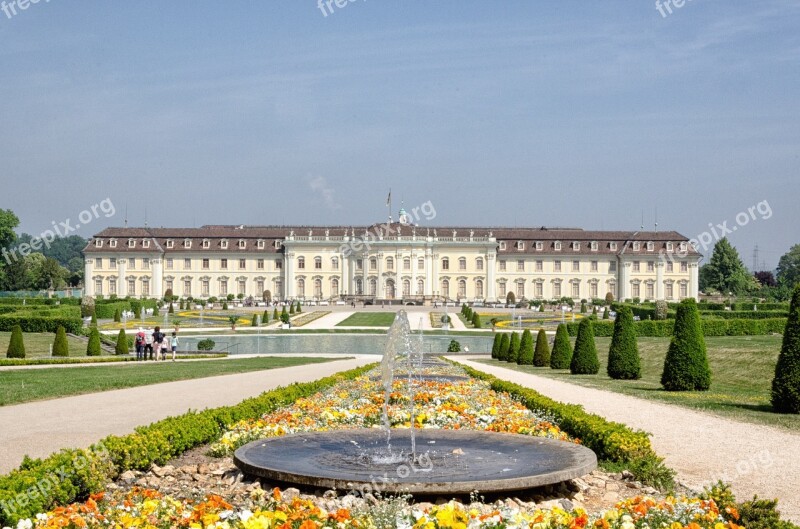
<point x="389" y="204"/>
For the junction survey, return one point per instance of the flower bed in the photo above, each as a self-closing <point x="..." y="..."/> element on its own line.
<point x="308" y="317"/>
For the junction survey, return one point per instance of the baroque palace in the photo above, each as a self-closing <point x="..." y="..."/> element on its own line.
<point x="391" y="262"/>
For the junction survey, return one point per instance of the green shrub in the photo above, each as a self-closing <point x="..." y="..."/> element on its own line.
<point x="584" y="357"/>
<point x="206" y="344"/>
<point x="513" y="350"/>
<point x="118" y="316"/>
<point x="526" y="355"/>
<point x="624" y="362"/>
<point x="686" y="365"/>
<point x="93" y="348"/>
<point x="61" y="345"/>
<point x="16" y="346"/>
<point x="786" y="384"/>
<point x="541" y="357"/>
<point x="583" y="307"/>
<point x="291" y="309"/>
<point x="93" y="321"/>
<point x="254" y="320"/>
<point x="275" y="314"/>
<point x="265" y="318"/>
<point x="476" y="320"/>
<point x="606" y="314"/>
<point x="498" y="339"/>
<point x="224" y="305"/>
<point x="505" y="348"/>
<point x="562" y="349"/>
<point x="171" y="309"/>
<point x="661" y="310"/>
<point x="299" y="308"/>
<point x="454" y="347"/>
<point x="122" y="343"/>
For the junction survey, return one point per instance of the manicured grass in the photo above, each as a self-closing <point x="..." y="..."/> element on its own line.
<point x="742" y="369"/>
<point x="369" y="319"/>
<point x="38" y="344"/>
<point x="37" y="384"/>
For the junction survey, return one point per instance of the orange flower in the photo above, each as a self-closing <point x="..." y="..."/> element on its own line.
<point x="308" y="524"/>
<point x="276" y="494"/>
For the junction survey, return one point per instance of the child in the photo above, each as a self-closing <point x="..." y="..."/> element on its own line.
<point x="139" y="343"/>
<point x="174" y="344"/>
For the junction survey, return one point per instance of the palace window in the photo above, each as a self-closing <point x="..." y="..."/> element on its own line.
<point x="132" y="263"/>
<point x="98" y="287"/>
<point x="242" y="243"/>
<point x="637" y="246"/>
<point x="98" y="243"/>
<point x="420" y="287"/>
<point x="318" y="288"/>
<point x="462" y="289"/>
<point x="145" y="263"/>
<point x="520" y="246"/>
<point x="170" y="244"/>
<point x="112" y="243"/>
<point x="206" y="263"/>
<point x="445" y="264"/>
<point x="576" y="290"/>
<point x="479" y="263"/>
<point x="223" y="264"/>
<point x="556" y="266"/>
<point x="557" y="246"/>
<point x="670" y="247"/>
<point x="420" y="264"/>
<point x="260" y="265"/>
<point x="131" y="287"/>
<point x="260" y="287"/>
<point x="204" y="288"/>
<point x="373" y="264"/>
<point x="462" y="263"/>
<point x="373" y="287"/>
<point x="277" y="245"/>
<point x="502" y="265"/>
<point x="670" y="266"/>
<point x="649" y="291"/>
<point x="612" y="246"/>
<point x="635" y="290"/>
<point x="187" y="264"/>
<point x="98" y="263"/>
<point x="612" y="266"/>
<point x="223" y="287"/>
<point x="593" y="266"/>
<point x="187" y="288"/>
<point x="279" y="288"/>
<point x="301" y="287"/>
<point x="406" y="288"/>
<point x="278" y="264"/>
<point x="335" y="263"/>
<point x="301" y="263"/>
<point x="593" y="290"/>
<point x="113" y="262"/>
<point x="576" y="246"/>
<point x="539" y="246"/>
<point x="390" y="263"/>
<point x="224" y="244"/>
<point x="651" y="266"/>
<point x="612" y="288"/>
<point x="168" y="284"/>
<point x="242" y="264"/>
<point x="359" y="287"/>
<point x="668" y="290"/>
<point x="406" y="263"/>
<point x="539" y="289"/>
<point x="170" y="263"/>
<point x="576" y="266"/>
<point x="521" y="265"/>
<point x="206" y="244"/>
<point x="445" y="288"/>
<point x="650" y="246"/>
<point x="318" y="263"/>
<point x="334" y="287"/>
<point x="684" y="290"/>
<point x="636" y="266"/>
<point x="260" y="244"/>
<point x="131" y="243"/>
<point x="539" y="265"/>
<point x="479" y="289"/>
<point x="593" y="246"/>
<point x="556" y="290"/>
<point x="502" y="245"/>
<point x="359" y="264"/>
<point x="112" y="286"/>
<point x="501" y="285"/>
<point x="684" y="266"/>
<point x="520" y="290"/>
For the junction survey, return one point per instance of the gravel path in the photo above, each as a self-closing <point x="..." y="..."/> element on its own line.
<point x="701" y="447"/>
<point x="41" y="428"/>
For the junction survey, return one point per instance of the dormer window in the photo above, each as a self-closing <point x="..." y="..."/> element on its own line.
<point x="224" y="244"/>
<point x="576" y="246"/>
<point x="612" y="246"/>
<point x="539" y="246"/>
<point x="242" y="244"/>
<point x="670" y="246"/>
<point x="260" y="244"/>
<point x="170" y="243"/>
<point x="146" y="243"/>
<point x="131" y="243"/>
<point x="502" y="245"/>
<point x="206" y="243"/>
<point x="98" y="243"/>
<point x="557" y="246"/>
<point x="187" y="243"/>
<point x="683" y="246"/>
<point x="520" y="246"/>
<point x="650" y="246"/>
<point x="112" y="243"/>
<point x="277" y="244"/>
<point x="593" y="246"/>
<point x="637" y="246"/>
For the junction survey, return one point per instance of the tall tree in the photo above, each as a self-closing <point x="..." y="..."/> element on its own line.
<point x="541" y="356"/>
<point x="526" y="349"/>
<point x="686" y="365"/>
<point x="789" y="267"/>
<point x="786" y="384"/>
<point x="766" y="278"/>
<point x="562" y="349"/>
<point x="584" y="357"/>
<point x="725" y="271"/>
<point x="623" y="355"/>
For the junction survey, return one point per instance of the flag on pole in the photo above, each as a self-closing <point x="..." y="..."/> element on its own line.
<point x="389" y="198"/>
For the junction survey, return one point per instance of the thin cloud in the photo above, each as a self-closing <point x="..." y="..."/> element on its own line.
<point x="319" y="185"/>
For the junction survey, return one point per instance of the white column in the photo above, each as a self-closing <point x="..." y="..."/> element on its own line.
<point x="491" y="263"/>
<point x="659" y="279"/>
<point x="122" y="283"/>
<point x="694" y="281"/>
<point x="288" y="280"/>
<point x="428" y="272"/>
<point x="624" y="287"/>
<point x="88" y="280"/>
<point x="344" y="284"/>
<point x="156" y="266"/>
<point x="380" y="292"/>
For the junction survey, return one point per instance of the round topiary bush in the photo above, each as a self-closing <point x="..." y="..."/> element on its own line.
<point x="93" y="348"/>
<point x="786" y="384"/>
<point x="454" y="347"/>
<point x="686" y="365"/>
<point x="60" y="345"/>
<point x="16" y="346"/>
<point x="584" y="357"/>
<point x="541" y="356"/>
<point x="623" y="355"/>
<point x="513" y="351"/>
<point x="526" y="349"/>
<point x="562" y="349"/>
<point x="206" y="344"/>
<point x="122" y="343"/>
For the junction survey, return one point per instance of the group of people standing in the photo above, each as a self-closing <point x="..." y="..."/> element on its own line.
<point x="155" y="344"/>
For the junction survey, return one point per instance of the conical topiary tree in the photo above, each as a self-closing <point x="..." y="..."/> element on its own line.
<point x="224" y="305"/>
<point x="117" y="315"/>
<point x="583" y="307"/>
<point x="254" y="321"/>
<point x="686" y="365"/>
<point x="275" y="314"/>
<point x="541" y="356"/>
<point x="786" y="384"/>
<point x="623" y="355"/>
<point x="299" y="308"/>
<point x="16" y="346"/>
<point x="476" y="320"/>
<point x="505" y="347"/>
<point x="584" y="357"/>
<point x="513" y="351"/>
<point x="606" y="314"/>
<point x="93" y="348"/>
<point x="526" y="349"/>
<point x="171" y="309"/>
<point x="498" y="339"/>
<point x="122" y="343"/>
<point x="594" y="312"/>
<point x="265" y="318"/>
<point x="562" y="349"/>
<point x="291" y="309"/>
<point x="60" y="345"/>
<point x="93" y="322"/>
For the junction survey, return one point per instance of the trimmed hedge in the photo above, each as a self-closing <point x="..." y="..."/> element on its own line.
<point x="71" y="475"/>
<point x="95" y="359"/>
<point x="16" y="345"/>
<point x="39" y="323"/>
<point x="611" y="441"/>
<point x="664" y="328"/>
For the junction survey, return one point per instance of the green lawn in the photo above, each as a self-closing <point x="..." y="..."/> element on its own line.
<point x="38" y="345"/>
<point x="26" y="385"/>
<point x="742" y="370"/>
<point x="369" y="319"/>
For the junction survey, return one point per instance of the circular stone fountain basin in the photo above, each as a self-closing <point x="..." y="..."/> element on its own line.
<point x="447" y="461"/>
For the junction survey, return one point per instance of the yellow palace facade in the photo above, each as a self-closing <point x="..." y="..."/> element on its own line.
<point x="392" y="262"/>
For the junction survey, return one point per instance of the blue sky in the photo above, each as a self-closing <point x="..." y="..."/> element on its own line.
<point x="512" y="113"/>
